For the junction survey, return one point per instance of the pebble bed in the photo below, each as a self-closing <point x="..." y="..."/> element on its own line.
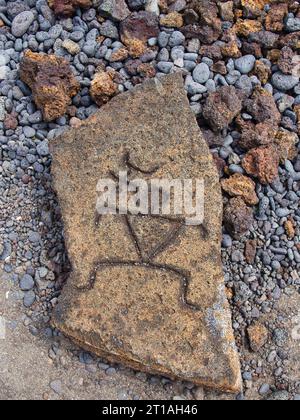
<point x="32" y="251"/>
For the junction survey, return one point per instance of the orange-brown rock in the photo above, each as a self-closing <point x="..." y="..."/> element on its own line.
<point x="250" y="251"/>
<point x="51" y="81"/>
<point x="172" y="20"/>
<point x="258" y="336"/>
<point x="238" y="217"/>
<point x="67" y="8"/>
<point x="290" y="229"/>
<point x="286" y="142"/>
<point x="247" y="26"/>
<point x="275" y="18"/>
<point x="255" y="7"/>
<point x="145" y="291"/>
<point x="120" y="55"/>
<point x="136" y="47"/>
<point x="273" y="55"/>
<point x="103" y="88"/>
<point x="262" y="163"/>
<point x="262" y="71"/>
<point x="146" y="70"/>
<point x="239" y="185"/>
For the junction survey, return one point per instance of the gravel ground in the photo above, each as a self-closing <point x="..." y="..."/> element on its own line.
<point x="261" y="259"/>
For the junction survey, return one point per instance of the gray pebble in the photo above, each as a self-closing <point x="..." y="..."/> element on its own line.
<point x="21" y="23"/>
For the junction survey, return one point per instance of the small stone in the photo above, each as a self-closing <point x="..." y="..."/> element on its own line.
<point x="201" y="73"/>
<point x="245" y="64"/>
<point x="250" y="251"/>
<point x="72" y="47"/>
<point x="263" y="163"/>
<point x="103" y="88"/>
<point x="264" y="389"/>
<point x="56" y="386"/>
<point x="26" y="282"/>
<point x="293" y="24"/>
<point x="176" y="38"/>
<point x="279" y="396"/>
<point x="262" y="71"/>
<point x="241" y="186"/>
<point x="52" y="82"/>
<point x="172" y="20"/>
<point x="238" y="217"/>
<point x="29" y="298"/>
<point x="258" y="336"/>
<point x="226" y="11"/>
<point x="289" y="228"/>
<point x="21" y="23"/>
<point x="222" y="107"/>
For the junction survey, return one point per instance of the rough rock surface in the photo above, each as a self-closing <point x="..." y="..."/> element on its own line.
<point x="103" y="87"/>
<point x="169" y="313"/>
<point x="222" y="107"/>
<point x="140" y="25"/>
<point x="117" y="10"/>
<point x="238" y="217"/>
<point x="258" y="336"/>
<point x="241" y="186"/>
<point x="67" y="8"/>
<point x="52" y="82"/>
<point x="263" y="163"/>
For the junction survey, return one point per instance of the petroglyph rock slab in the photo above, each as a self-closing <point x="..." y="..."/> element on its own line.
<point x="145" y="291"/>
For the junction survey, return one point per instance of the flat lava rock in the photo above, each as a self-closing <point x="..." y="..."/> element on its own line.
<point x="147" y="292"/>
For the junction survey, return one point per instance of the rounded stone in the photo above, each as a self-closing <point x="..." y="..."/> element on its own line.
<point x="29" y="298"/>
<point x="21" y="23"/>
<point x="201" y="73"/>
<point x="245" y="64"/>
<point x="26" y="283"/>
<point x="284" y="82"/>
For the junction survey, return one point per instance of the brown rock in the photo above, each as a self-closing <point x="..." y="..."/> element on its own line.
<point x="291" y="40"/>
<point x="287" y="62"/>
<point x="273" y="55"/>
<point x="139" y="25"/>
<point x="258" y="336"/>
<point x="220" y="164"/>
<point x="119" y="55"/>
<point x="146" y="70"/>
<point x="255" y="135"/>
<point x="239" y="185"/>
<point x="219" y="67"/>
<point x="146" y="292"/>
<point x="250" y="251"/>
<point x="211" y="51"/>
<point x="212" y="139"/>
<point x="172" y="20"/>
<point x="103" y="88"/>
<point x="231" y="49"/>
<point x="262" y="107"/>
<point x="290" y="229"/>
<point x="67" y="8"/>
<point x="252" y="48"/>
<point x="262" y="163"/>
<point x="51" y="81"/>
<point x="286" y="142"/>
<point x="205" y="33"/>
<point x="246" y="27"/>
<point x="136" y="47"/>
<point x="238" y="217"/>
<point x="190" y="17"/>
<point x="262" y="71"/>
<point x="221" y="108"/>
<point x="10" y="121"/>
<point x="275" y="17"/>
